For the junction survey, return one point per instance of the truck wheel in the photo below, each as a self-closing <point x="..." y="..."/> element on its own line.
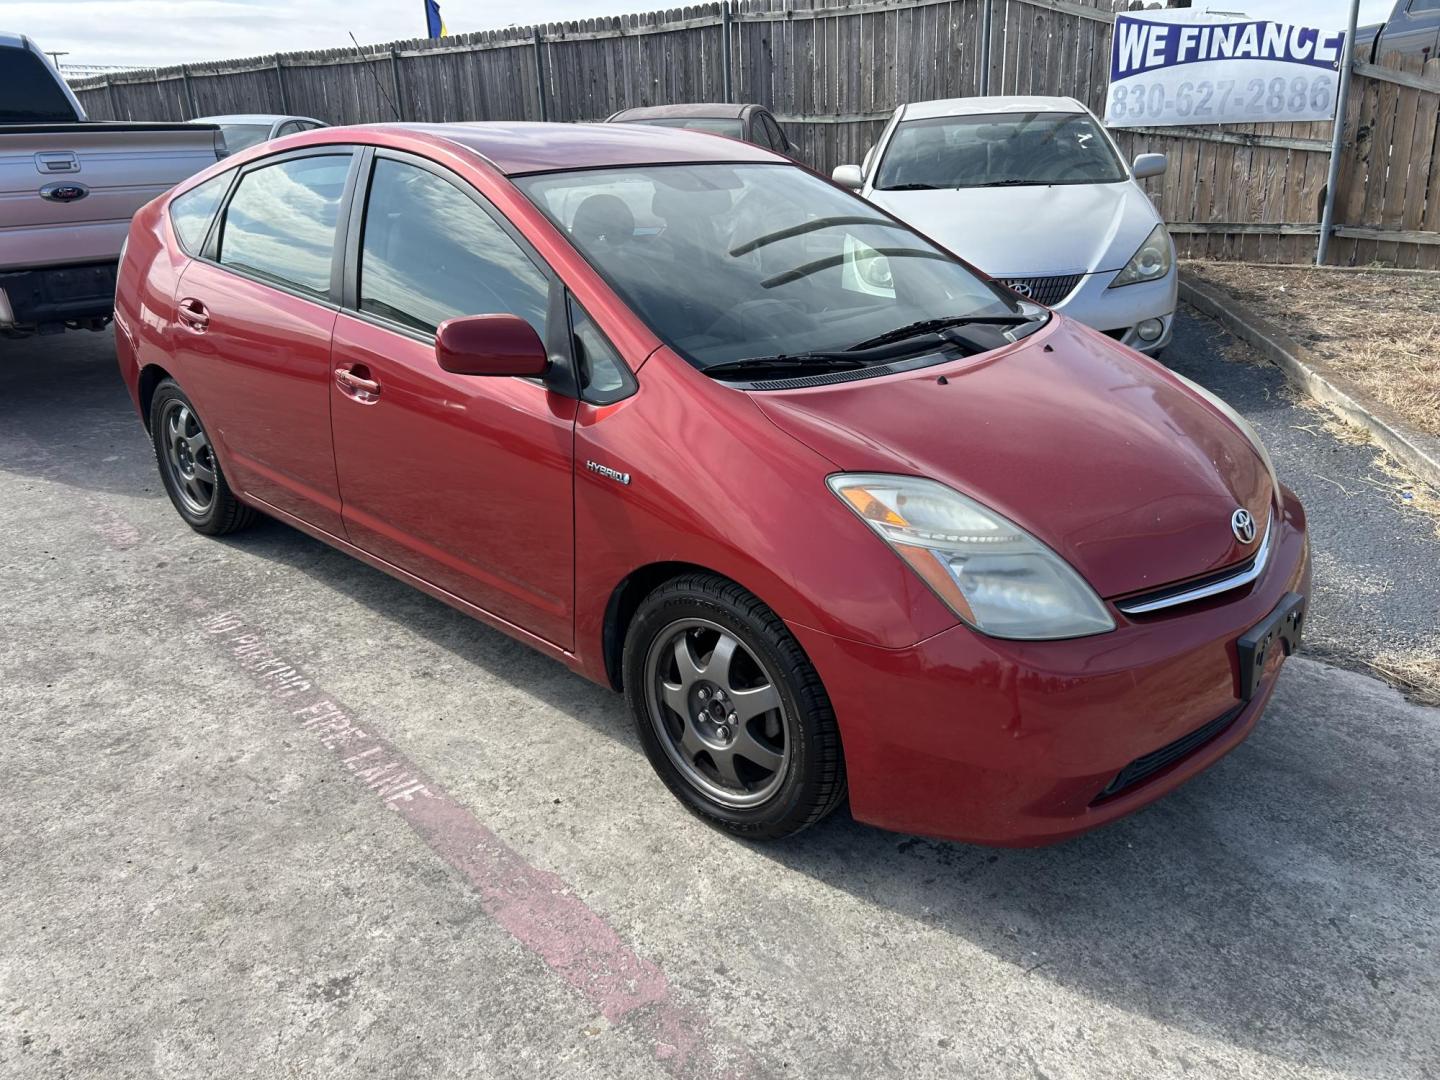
<point x="730" y="711"/>
<point x="188" y="466"/>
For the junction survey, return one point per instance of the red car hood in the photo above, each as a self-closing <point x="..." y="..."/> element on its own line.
<point x="1096" y="450"/>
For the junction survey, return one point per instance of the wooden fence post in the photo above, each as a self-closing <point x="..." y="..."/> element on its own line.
<point x="725" y="74"/>
<point x="987" y="23"/>
<point x="114" y="103"/>
<point x="189" y="91"/>
<point x="280" y="84"/>
<point x="395" y="81"/>
<point x="540" y="78"/>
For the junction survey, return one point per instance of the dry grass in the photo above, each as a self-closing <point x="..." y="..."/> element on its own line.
<point x="1380" y="330"/>
<point x="1417" y="672"/>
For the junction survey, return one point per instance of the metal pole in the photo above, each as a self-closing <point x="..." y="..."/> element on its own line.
<point x="114" y="103"/>
<point x="987" y="18"/>
<point x="1337" y="138"/>
<point x="725" y="75"/>
<point x="540" y="78"/>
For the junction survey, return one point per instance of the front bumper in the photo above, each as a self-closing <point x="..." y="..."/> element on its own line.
<point x="1117" y="312"/>
<point x="51" y="297"/>
<point x="1011" y="743"/>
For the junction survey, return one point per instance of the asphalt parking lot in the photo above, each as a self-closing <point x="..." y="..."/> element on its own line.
<point x="270" y="813"/>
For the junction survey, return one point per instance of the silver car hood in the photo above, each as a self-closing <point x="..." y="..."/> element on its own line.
<point x="1031" y="231"/>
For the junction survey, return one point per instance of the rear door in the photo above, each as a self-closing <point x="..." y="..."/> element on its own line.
<point x="465" y="482"/>
<point x="253" y="319"/>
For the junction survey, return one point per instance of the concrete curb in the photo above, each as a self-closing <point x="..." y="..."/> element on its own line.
<point x="1419" y="451"/>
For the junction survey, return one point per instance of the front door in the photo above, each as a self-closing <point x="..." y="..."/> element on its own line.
<point x="253" y="320"/>
<point x="464" y="481"/>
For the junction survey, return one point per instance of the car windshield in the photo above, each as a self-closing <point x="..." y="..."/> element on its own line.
<point x="732" y="262"/>
<point x="718" y="125"/>
<point x="998" y="150"/>
<point x="241" y="136"/>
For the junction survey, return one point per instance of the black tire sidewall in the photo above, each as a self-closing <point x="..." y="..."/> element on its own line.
<point x="793" y="806"/>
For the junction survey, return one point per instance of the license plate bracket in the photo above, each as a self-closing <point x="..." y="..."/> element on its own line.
<point x="1283" y="628"/>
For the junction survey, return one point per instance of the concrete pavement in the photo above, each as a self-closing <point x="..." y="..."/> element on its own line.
<point x="271" y="813"/>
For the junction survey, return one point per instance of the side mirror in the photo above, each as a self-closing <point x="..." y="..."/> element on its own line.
<point x="490" y="345"/>
<point x="1148" y="165"/>
<point x="848" y="176"/>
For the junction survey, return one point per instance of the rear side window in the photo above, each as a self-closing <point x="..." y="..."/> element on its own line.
<point x="29" y="93"/>
<point x="192" y="212"/>
<point x="777" y="137"/>
<point x="280" y="223"/>
<point x="431" y="253"/>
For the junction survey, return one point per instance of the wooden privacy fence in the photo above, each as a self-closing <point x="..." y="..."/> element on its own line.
<point x="833" y="71"/>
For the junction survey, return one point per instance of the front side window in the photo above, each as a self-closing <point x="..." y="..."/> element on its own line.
<point x="732" y="262"/>
<point x="280" y="223"/>
<point x="998" y="150"/>
<point x="430" y="253"/>
<point x="603" y="375"/>
<point x="192" y="212"/>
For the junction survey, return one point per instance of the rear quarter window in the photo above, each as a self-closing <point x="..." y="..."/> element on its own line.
<point x="192" y="212"/>
<point x="28" y="91"/>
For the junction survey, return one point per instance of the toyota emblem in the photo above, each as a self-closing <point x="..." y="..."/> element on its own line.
<point x="1242" y="524"/>
<point x="1021" y="287"/>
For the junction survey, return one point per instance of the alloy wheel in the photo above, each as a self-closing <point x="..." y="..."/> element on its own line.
<point x="718" y="713"/>
<point x="189" y="458"/>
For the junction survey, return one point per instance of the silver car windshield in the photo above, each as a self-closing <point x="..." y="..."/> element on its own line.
<point x="717" y="125"/>
<point x="243" y="136"/>
<point x="729" y="262"/>
<point x="998" y="150"/>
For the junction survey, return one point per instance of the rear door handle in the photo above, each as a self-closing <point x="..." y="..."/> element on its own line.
<point x="193" y="314"/>
<point x="355" y="382"/>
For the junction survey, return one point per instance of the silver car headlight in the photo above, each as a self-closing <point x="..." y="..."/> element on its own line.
<point x="1246" y="429"/>
<point x="1152" y="262"/>
<point x="987" y="570"/>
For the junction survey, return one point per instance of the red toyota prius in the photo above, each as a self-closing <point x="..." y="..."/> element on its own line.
<point x="838" y="514"/>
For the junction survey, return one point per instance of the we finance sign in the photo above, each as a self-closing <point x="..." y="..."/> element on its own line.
<point x="1170" y="68"/>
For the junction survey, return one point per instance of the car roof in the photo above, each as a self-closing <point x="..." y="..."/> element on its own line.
<point x="712" y="110"/>
<point x="971" y="106"/>
<point x="12" y="41"/>
<point x="520" y="147"/>
<point x="250" y="118"/>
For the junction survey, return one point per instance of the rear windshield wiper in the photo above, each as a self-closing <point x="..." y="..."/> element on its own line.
<point x="934" y="326"/>
<point x="790" y="364"/>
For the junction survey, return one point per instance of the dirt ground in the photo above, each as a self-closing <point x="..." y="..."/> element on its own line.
<point x="1381" y="330"/>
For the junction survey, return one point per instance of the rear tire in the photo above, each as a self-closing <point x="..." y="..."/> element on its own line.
<point x="730" y="711"/>
<point x="189" y="468"/>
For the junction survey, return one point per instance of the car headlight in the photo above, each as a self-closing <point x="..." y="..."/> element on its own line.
<point x="1246" y="429"/>
<point x="1151" y="263"/>
<point x="988" y="571"/>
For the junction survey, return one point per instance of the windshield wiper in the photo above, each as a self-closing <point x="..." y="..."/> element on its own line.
<point x="1016" y="183"/>
<point x="913" y="187"/>
<point x="789" y="363"/>
<point x="934" y="326"/>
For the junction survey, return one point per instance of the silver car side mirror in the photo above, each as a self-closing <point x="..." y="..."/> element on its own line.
<point x="1148" y="165"/>
<point x="848" y="176"/>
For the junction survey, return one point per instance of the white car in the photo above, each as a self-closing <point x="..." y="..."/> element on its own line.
<point x="1033" y="191"/>
<point x="244" y="130"/>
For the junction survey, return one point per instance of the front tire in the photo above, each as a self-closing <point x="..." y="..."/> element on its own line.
<point x="730" y="711"/>
<point x="189" y="468"/>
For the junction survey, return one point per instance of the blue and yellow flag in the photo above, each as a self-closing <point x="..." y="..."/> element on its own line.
<point x="434" y="21"/>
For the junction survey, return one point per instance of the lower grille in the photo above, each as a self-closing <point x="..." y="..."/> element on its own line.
<point x="1143" y="767"/>
<point x="1043" y="290"/>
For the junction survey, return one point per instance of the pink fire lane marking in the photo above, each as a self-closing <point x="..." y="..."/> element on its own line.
<point x="535" y="906"/>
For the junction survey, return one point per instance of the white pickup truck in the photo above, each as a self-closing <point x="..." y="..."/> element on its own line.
<point x="68" y="187"/>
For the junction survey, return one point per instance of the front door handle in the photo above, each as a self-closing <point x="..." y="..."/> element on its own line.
<point x="355" y="382"/>
<point x="193" y="314"/>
